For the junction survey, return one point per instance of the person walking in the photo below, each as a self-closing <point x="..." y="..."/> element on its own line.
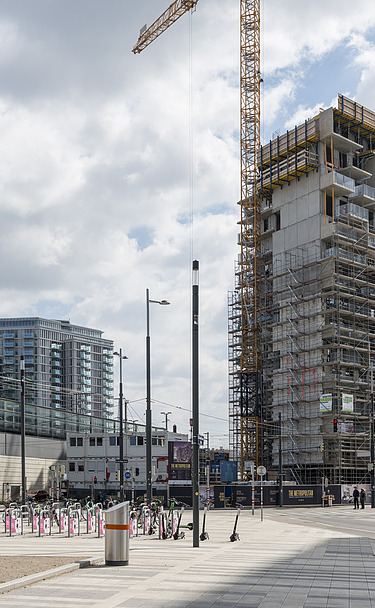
<point x="362" y="498"/>
<point x="356" y="497"/>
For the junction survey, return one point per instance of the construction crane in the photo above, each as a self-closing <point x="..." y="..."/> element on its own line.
<point x="174" y="12"/>
<point x="249" y="366"/>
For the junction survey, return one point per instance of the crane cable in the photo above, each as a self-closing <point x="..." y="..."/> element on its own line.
<point x="191" y="138"/>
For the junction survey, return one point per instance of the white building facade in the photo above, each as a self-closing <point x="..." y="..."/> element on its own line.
<point x="93" y="461"/>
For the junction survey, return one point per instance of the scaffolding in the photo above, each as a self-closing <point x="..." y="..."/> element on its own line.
<point x="317" y="300"/>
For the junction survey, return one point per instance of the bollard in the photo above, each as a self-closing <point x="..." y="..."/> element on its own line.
<point x="117" y="535"/>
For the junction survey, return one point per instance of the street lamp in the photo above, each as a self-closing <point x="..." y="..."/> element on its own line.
<point x="23" y="438"/>
<point x="148" y="395"/>
<point x="166" y="414"/>
<point x="121" y="358"/>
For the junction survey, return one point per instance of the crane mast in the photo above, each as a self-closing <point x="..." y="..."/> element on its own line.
<point x="249" y="367"/>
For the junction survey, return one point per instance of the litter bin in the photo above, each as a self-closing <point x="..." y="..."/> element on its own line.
<point x="330" y="499"/>
<point x="117" y="535"/>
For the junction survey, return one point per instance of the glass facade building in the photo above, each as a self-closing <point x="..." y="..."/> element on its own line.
<point x="51" y="423"/>
<point x="67" y="367"/>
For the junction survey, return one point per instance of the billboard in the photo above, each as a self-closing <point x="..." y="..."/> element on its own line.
<point x="179" y="462"/>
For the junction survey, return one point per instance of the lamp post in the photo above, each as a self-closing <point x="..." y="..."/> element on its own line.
<point x="148" y="396"/>
<point x="121" y="358"/>
<point x="23" y="449"/>
<point x="166" y="414"/>
<point x="195" y="401"/>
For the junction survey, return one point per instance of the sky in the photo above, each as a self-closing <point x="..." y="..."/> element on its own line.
<point x="118" y="170"/>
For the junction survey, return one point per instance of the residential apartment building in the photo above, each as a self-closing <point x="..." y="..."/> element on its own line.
<point x="317" y="188"/>
<point x="67" y="367"/>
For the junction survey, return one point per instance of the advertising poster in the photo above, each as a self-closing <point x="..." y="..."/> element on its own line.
<point x="347" y="404"/>
<point x="326" y="403"/>
<point x="179" y="462"/>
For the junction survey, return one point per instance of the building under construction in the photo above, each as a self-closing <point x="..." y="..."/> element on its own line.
<point x="316" y="185"/>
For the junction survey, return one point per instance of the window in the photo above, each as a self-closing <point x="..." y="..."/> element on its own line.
<point x="278" y="220"/>
<point x="329" y="205"/>
<point x="276" y="316"/>
<point x="92" y="441"/>
<point x="99" y="441"/>
<point x="80" y="441"/>
<point x="140" y="440"/>
<point x="154" y="441"/>
<point x="73" y="443"/>
<point x="112" y="441"/>
<point x="72" y="467"/>
<point x="133" y="441"/>
<point x="81" y="468"/>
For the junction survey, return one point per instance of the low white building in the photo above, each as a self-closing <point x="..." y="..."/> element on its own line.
<point x="93" y="461"/>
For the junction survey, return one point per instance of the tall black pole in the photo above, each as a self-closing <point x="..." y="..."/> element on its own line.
<point x="280" y="466"/>
<point x="148" y="403"/>
<point x="121" y="435"/>
<point x="372" y="480"/>
<point x="23" y="450"/>
<point x="195" y="408"/>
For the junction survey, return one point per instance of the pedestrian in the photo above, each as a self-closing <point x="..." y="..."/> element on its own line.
<point x="362" y="498"/>
<point x="356" y="497"/>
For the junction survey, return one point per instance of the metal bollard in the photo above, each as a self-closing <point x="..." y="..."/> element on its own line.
<point x="117" y="535"/>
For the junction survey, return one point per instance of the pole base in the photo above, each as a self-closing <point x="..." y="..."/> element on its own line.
<point x="117" y="563"/>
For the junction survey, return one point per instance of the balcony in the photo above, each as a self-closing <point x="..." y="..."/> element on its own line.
<point x="354" y="172"/>
<point x="341" y="142"/>
<point x="342" y="185"/>
<point x="364" y="195"/>
<point x="352" y="210"/>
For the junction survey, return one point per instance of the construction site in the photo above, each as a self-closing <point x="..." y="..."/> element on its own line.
<point x="316" y="333"/>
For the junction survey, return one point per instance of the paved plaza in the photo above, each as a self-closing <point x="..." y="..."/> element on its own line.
<point x="294" y="558"/>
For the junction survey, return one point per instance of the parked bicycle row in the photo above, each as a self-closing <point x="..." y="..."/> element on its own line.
<point x="73" y="520"/>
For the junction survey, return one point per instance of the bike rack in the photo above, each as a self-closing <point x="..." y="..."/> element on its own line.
<point x="44" y="522"/>
<point x="73" y="522"/>
<point x="133" y="523"/>
<point x="63" y="519"/>
<point x="13" y="521"/>
<point x="90" y="519"/>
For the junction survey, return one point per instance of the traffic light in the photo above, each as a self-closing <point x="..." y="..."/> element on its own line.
<point x="136" y="471"/>
<point x="95" y="479"/>
<point x="118" y="475"/>
<point x="335" y="425"/>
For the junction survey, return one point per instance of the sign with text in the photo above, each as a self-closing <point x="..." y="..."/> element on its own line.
<point x="347" y="403"/>
<point x="326" y="403"/>
<point x="179" y="462"/>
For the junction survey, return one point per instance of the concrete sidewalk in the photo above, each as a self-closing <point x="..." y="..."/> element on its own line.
<point x="275" y="563"/>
